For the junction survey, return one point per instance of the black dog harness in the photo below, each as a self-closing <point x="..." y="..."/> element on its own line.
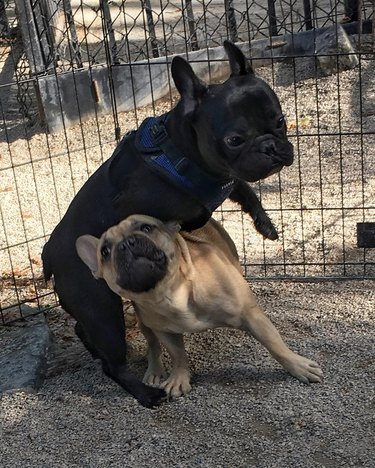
<point x="157" y="150"/>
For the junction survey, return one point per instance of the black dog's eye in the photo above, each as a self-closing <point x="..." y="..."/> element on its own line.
<point x="105" y="251"/>
<point x="146" y="228"/>
<point x="280" y="122"/>
<point x="234" y="141"/>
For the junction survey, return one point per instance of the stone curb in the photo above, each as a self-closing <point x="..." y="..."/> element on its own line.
<point x="23" y="354"/>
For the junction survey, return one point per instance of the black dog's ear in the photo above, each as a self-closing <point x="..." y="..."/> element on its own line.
<point x="237" y="61"/>
<point x="190" y="87"/>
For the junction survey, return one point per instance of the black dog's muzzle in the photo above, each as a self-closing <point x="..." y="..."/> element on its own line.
<point x="280" y="150"/>
<point x="139" y="264"/>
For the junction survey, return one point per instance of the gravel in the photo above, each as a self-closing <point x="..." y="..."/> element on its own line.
<point x="244" y="410"/>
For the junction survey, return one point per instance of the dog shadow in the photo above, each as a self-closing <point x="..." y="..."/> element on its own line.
<point x="239" y="377"/>
<point x="234" y="376"/>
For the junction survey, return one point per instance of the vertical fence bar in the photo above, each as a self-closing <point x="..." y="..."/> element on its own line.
<point x="4" y="25"/>
<point x="352" y="9"/>
<point x="54" y="24"/>
<point x="73" y="33"/>
<point x="36" y="49"/>
<point x="231" y="20"/>
<point x="272" y="18"/>
<point x="192" y="27"/>
<point x="109" y="59"/>
<point x="307" y="13"/>
<point x="110" y="32"/>
<point x="151" y="27"/>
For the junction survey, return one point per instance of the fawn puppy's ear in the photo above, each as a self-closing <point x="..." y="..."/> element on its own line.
<point x="86" y="247"/>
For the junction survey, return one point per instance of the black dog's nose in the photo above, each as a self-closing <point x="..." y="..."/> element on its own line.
<point x="268" y="147"/>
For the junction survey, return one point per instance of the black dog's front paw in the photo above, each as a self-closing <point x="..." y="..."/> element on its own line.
<point x="264" y="226"/>
<point x="151" y="397"/>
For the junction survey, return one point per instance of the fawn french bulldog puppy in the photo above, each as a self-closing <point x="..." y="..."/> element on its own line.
<point x="183" y="282"/>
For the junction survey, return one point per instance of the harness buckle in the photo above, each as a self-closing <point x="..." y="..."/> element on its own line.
<point x="159" y="133"/>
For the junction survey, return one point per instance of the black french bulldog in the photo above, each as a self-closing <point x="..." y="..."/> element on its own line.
<point x="180" y="166"/>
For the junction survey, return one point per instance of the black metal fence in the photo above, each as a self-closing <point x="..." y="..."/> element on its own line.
<point x="58" y="55"/>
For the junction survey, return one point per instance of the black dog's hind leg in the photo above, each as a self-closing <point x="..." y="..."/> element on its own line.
<point x="82" y="336"/>
<point x="100" y="320"/>
<point x="246" y="197"/>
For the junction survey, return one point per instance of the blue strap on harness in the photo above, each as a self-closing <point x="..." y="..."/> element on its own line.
<point x="160" y="153"/>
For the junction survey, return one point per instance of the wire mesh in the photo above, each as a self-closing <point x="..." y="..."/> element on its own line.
<point x="316" y="204"/>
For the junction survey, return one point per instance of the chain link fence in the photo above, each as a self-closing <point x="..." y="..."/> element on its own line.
<point x="74" y="33"/>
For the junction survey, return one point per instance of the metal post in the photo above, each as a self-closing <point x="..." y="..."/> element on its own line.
<point x="192" y="27"/>
<point x="4" y="26"/>
<point x="272" y="18"/>
<point x="231" y="19"/>
<point x="109" y="31"/>
<point x="35" y="43"/>
<point x="74" y="43"/>
<point x="307" y="13"/>
<point x="351" y="9"/>
<point x="151" y="27"/>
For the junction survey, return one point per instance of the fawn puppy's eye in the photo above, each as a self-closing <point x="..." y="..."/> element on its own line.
<point x="105" y="251"/>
